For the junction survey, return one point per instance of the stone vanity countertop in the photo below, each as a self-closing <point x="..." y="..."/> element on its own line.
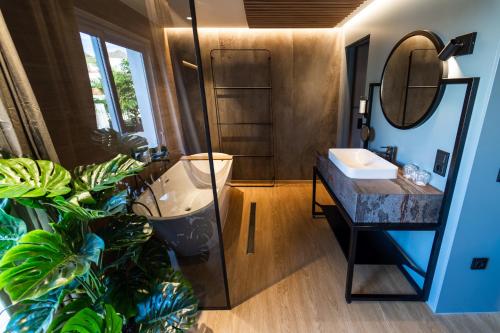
<point x="382" y="200"/>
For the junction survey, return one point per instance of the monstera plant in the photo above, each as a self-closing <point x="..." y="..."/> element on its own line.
<point x="100" y="268"/>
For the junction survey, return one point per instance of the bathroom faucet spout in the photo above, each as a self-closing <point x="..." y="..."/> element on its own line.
<point x="390" y="153"/>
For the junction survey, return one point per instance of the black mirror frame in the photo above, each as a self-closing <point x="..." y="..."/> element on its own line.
<point x="438" y="43"/>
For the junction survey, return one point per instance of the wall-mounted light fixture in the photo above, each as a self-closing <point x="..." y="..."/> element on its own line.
<point x="458" y="46"/>
<point x="362" y="105"/>
<point x="189" y="65"/>
<point x="366" y="133"/>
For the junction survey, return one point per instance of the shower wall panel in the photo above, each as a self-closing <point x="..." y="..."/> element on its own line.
<point x="305" y="67"/>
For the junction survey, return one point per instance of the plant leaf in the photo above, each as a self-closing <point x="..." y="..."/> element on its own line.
<point x="117" y="204"/>
<point x="70" y="209"/>
<point x="84" y="321"/>
<point x="29" y="202"/>
<point x="34" y="316"/>
<point x="89" y="321"/>
<point x="92" y="248"/>
<point x="112" y="321"/>
<point x="121" y="258"/>
<point x="98" y="177"/>
<point x="126" y="288"/>
<point x="155" y="261"/>
<point x="67" y="311"/>
<point x="172" y="308"/>
<point x="11" y="230"/>
<point x="125" y="230"/>
<point x="4" y="203"/>
<point x="27" y="178"/>
<point x="42" y="262"/>
<point x="72" y="231"/>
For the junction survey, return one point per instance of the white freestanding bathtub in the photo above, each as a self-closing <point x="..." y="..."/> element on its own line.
<point x="184" y="212"/>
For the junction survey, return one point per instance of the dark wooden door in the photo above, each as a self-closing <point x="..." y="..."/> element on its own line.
<point x="357" y="62"/>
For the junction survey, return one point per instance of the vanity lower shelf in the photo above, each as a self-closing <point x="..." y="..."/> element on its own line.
<point x="374" y="247"/>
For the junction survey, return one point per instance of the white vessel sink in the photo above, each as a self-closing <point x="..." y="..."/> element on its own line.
<point x="362" y="164"/>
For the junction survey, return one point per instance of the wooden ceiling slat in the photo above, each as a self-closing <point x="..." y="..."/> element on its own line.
<point x="266" y="10"/>
<point x="295" y="15"/>
<point x="327" y="2"/>
<point x="298" y="13"/>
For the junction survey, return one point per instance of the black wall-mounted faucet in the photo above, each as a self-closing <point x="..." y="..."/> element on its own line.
<point x="389" y="154"/>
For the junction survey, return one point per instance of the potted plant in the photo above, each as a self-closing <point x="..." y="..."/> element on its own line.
<point x="100" y="268"/>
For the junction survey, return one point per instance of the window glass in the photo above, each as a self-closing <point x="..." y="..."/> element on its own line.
<point x="124" y="83"/>
<point x="119" y="88"/>
<point x="131" y="84"/>
<point x="95" y="70"/>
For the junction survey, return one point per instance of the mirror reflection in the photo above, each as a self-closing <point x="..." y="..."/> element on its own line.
<point x="411" y="82"/>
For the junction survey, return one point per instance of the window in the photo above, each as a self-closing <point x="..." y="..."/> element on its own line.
<point x="120" y="89"/>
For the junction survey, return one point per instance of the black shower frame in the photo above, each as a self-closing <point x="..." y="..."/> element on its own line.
<point x="201" y="86"/>
<point x="439" y="228"/>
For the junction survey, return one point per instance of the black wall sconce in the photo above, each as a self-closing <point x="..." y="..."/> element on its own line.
<point x="458" y="46"/>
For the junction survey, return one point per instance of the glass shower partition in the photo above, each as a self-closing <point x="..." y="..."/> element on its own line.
<point x="192" y="197"/>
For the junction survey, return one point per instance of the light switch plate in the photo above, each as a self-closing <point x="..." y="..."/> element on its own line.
<point x="479" y="263"/>
<point x="441" y="162"/>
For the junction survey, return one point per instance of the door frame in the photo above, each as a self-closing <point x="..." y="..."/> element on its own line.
<point x="351" y="52"/>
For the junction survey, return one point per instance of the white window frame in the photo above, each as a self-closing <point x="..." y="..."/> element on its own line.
<point x="109" y="32"/>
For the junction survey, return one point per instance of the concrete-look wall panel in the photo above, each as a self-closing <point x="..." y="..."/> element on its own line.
<point x="305" y="65"/>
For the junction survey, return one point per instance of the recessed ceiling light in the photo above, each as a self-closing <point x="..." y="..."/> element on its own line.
<point x="189" y="18"/>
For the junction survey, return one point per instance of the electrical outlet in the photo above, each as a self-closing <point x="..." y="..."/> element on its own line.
<point x="441" y="162"/>
<point x="479" y="263"/>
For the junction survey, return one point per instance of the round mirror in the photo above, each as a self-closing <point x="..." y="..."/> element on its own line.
<point x="411" y="82"/>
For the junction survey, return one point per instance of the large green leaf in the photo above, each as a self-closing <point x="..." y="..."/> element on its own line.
<point x="92" y="247"/>
<point x="125" y="288"/>
<point x="99" y="177"/>
<point x="71" y="209"/>
<point x="11" y="230"/>
<point x="68" y="310"/>
<point x="34" y="316"/>
<point x="72" y="231"/>
<point x="89" y="321"/>
<point x="125" y="230"/>
<point x="116" y="204"/>
<point x="154" y="260"/>
<point x="27" y="178"/>
<point x="112" y="321"/>
<point x="42" y="262"/>
<point x="171" y="309"/>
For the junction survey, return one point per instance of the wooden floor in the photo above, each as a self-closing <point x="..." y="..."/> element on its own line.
<point x="294" y="282"/>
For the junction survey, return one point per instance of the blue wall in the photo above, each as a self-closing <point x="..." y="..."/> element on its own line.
<point x="386" y="22"/>
<point x="478" y="232"/>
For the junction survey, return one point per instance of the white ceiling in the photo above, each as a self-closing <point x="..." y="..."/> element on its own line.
<point x="221" y="14"/>
<point x="210" y="13"/>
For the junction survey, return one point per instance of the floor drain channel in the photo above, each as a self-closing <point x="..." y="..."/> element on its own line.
<point x="251" y="229"/>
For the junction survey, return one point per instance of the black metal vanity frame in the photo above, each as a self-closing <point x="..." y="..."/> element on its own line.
<point x="369" y="244"/>
<point x="355" y="239"/>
